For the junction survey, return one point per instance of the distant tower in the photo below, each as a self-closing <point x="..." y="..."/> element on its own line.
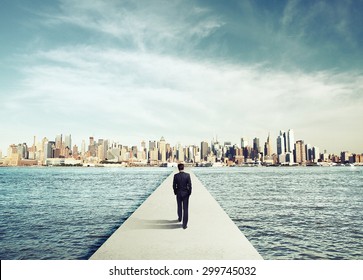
<point x="58" y="141"/>
<point x="256" y="145"/>
<point x="280" y="141"/>
<point x="244" y="142"/>
<point x="268" y="146"/>
<point x="68" y="141"/>
<point x="290" y="140"/>
<point x="203" y="150"/>
<point x="300" y="154"/>
<point x="162" y="150"/>
<point x="83" y="147"/>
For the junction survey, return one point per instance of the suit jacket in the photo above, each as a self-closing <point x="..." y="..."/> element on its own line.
<point x="182" y="184"/>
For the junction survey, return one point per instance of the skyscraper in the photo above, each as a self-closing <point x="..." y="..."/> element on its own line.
<point x="68" y="141"/>
<point x="268" y="148"/>
<point x="280" y="141"/>
<point x="256" y="145"/>
<point x="244" y="142"/>
<point x="290" y="141"/>
<point x="58" y="141"/>
<point x="300" y="154"/>
<point x="162" y="150"/>
<point x="203" y="150"/>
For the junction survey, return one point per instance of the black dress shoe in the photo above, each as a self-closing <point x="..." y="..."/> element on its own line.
<point x="179" y="220"/>
<point x="185" y="227"/>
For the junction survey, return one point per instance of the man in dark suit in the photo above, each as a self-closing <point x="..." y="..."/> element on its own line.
<point x="182" y="186"/>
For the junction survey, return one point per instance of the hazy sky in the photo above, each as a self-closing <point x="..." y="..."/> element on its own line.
<point x="186" y="70"/>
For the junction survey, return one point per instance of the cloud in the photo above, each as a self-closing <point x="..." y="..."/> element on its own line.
<point x="135" y="93"/>
<point x="133" y="78"/>
<point x="146" y="25"/>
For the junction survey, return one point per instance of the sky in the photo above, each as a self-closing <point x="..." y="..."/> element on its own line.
<point x="187" y="70"/>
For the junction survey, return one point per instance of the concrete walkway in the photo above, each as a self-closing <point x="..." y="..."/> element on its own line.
<point x="152" y="232"/>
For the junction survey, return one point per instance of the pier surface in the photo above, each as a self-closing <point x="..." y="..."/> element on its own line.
<point x="152" y="232"/>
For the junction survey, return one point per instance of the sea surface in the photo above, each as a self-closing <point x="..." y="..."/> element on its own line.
<point x="66" y="212"/>
<point x="293" y="212"/>
<point x="286" y="213"/>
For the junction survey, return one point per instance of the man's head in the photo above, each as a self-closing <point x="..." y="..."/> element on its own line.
<point x="181" y="167"/>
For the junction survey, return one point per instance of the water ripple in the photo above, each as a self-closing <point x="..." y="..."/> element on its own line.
<point x="67" y="213"/>
<point x="293" y="213"/>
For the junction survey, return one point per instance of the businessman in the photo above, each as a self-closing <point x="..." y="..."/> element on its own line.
<point x="182" y="186"/>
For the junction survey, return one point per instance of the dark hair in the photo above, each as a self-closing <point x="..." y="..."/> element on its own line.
<point x="180" y="166"/>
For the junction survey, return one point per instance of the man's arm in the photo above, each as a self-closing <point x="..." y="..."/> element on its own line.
<point x="190" y="184"/>
<point x="174" y="184"/>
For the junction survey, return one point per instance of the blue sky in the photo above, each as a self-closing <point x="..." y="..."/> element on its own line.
<point x="185" y="70"/>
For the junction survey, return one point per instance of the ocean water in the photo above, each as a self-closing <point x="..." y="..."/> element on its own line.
<point x="286" y="213"/>
<point x="68" y="213"/>
<point x="293" y="212"/>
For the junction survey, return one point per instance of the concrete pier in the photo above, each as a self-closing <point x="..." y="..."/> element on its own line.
<point x="152" y="232"/>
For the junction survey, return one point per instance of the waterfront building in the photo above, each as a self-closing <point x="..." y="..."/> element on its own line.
<point x="13" y="157"/>
<point x="282" y="158"/>
<point x="152" y="145"/>
<point x="68" y="141"/>
<point x="244" y="142"/>
<point x="344" y="156"/>
<point x="268" y="151"/>
<point x="100" y="151"/>
<point x="180" y="153"/>
<point x="92" y="147"/>
<point x="211" y="158"/>
<point x="256" y="145"/>
<point x="58" y="141"/>
<point x="316" y="154"/>
<point x="309" y="153"/>
<point x="153" y="155"/>
<point x="75" y="152"/>
<point x="289" y="158"/>
<point x="49" y="147"/>
<point x="300" y="154"/>
<point x="290" y="141"/>
<point x="280" y="141"/>
<point x="162" y="149"/>
<point x="204" y="150"/>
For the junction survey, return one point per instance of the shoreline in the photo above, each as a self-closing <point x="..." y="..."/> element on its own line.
<point x="173" y="167"/>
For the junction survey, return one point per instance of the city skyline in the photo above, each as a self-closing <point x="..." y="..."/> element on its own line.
<point x="183" y="70"/>
<point x="285" y="142"/>
<point x="63" y="151"/>
<point x="249" y="141"/>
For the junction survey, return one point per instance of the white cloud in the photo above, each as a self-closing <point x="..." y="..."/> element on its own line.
<point x="137" y="94"/>
<point x="128" y="94"/>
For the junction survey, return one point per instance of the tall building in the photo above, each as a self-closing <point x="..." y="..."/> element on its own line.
<point x="68" y="141"/>
<point x="75" y="153"/>
<point x="300" y="154"/>
<point x="162" y="149"/>
<point x="203" y="150"/>
<point x="58" y="141"/>
<point x="268" y="147"/>
<point x="256" y="145"/>
<point x="92" y="147"/>
<point x="316" y="154"/>
<point x="49" y="147"/>
<point x="280" y="141"/>
<point x="309" y="153"/>
<point x="152" y="145"/>
<point x="180" y="153"/>
<point x="290" y="141"/>
<point x="83" y="147"/>
<point x="244" y="142"/>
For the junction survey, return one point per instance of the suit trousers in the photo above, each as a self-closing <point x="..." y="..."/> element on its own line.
<point x="183" y="205"/>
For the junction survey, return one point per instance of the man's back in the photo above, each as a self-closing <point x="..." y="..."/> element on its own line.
<point x="182" y="184"/>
